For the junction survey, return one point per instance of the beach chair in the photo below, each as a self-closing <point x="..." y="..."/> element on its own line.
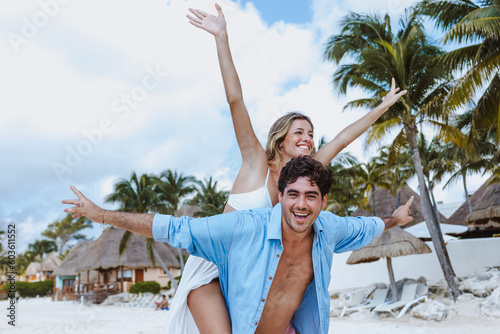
<point x="135" y="299"/>
<point x="408" y="298"/>
<point x="378" y="299"/>
<point x="139" y="301"/>
<point x="356" y="299"/>
<point x="149" y="301"/>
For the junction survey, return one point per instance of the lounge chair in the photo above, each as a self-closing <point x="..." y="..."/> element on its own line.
<point x="408" y="298"/>
<point x="378" y="299"/>
<point x="356" y="299"/>
<point x="149" y="301"/>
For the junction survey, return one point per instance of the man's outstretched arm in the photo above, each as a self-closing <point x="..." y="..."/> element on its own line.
<point x="140" y="223"/>
<point x="400" y="217"/>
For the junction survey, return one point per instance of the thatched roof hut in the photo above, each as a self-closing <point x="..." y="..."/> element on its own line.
<point x="385" y="205"/>
<point x="73" y="259"/>
<point x="33" y="269"/>
<point x="51" y="262"/>
<point x="188" y="210"/>
<point x="485" y="208"/>
<point x="104" y="252"/>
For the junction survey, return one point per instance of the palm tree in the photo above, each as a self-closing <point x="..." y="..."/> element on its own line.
<point x="172" y="188"/>
<point x="398" y="170"/>
<point x="476" y="23"/>
<point x="138" y="195"/>
<point x="41" y="247"/>
<point x="369" y="176"/>
<point x="66" y="229"/>
<point x="378" y="55"/>
<point x="343" y="194"/>
<point x="434" y="167"/>
<point x="210" y="200"/>
<point x="467" y="161"/>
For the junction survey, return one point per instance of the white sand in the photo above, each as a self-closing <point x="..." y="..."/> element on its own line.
<point x="44" y="316"/>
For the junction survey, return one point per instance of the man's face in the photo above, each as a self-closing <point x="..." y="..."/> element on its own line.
<point x="301" y="204"/>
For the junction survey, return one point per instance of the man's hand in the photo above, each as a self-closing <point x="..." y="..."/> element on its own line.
<point x="401" y="216"/>
<point x="84" y="207"/>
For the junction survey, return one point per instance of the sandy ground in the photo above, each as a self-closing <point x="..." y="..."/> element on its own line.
<point x="44" y="316"/>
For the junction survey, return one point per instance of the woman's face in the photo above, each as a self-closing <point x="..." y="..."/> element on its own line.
<point x="298" y="140"/>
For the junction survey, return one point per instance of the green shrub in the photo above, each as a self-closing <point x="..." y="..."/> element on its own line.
<point x="146" y="286"/>
<point x="34" y="289"/>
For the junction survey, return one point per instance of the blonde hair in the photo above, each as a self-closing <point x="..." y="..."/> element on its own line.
<point x="277" y="134"/>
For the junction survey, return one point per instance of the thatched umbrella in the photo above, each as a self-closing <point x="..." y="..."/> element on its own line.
<point x="392" y="243"/>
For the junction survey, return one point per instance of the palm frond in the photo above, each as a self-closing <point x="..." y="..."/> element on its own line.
<point x="124" y="242"/>
<point x="380" y="130"/>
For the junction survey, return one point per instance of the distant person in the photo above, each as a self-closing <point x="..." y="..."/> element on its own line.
<point x="274" y="263"/>
<point x="162" y="304"/>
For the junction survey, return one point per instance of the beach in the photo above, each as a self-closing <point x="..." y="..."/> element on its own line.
<point x="42" y="316"/>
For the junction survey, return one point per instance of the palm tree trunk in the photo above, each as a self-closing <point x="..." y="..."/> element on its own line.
<point x="436" y="236"/>
<point x="372" y="197"/>
<point x="435" y="211"/>
<point x="164" y="267"/>
<point x="181" y="259"/>
<point x="179" y="251"/>
<point x="466" y="192"/>
<point x="398" y="198"/>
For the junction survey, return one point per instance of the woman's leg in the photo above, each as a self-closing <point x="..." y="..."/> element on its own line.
<point x="208" y="307"/>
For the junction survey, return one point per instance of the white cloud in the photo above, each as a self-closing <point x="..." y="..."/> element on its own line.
<point x="91" y="58"/>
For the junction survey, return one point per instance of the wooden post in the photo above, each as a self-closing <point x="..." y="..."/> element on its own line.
<point x="121" y="278"/>
<point x="79" y="283"/>
<point x="394" y="290"/>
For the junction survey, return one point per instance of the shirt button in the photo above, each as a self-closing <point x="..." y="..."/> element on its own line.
<point x="277" y="255"/>
<point x="270" y="277"/>
<point x="263" y="299"/>
<point x="255" y="323"/>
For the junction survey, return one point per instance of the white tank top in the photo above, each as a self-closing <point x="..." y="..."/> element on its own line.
<point x="256" y="199"/>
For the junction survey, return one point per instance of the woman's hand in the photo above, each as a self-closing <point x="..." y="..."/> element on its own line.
<point x="393" y="96"/>
<point x="215" y="25"/>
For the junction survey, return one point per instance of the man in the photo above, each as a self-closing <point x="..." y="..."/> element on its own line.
<point x="162" y="304"/>
<point x="274" y="264"/>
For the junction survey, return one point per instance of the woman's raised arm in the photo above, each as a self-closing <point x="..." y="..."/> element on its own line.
<point x="251" y="150"/>
<point x="354" y="130"/>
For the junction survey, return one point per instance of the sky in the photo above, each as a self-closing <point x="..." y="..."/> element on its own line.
<point x="93" y="91"/>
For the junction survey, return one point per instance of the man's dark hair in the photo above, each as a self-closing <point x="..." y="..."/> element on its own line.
<point x="305" y="166"/>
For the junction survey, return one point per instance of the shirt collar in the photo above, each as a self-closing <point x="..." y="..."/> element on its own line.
<point x="274" y="231"/>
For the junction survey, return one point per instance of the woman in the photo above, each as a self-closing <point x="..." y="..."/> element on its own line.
<point x="256" y="184"/>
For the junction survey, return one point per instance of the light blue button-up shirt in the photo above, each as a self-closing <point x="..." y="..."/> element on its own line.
<point x="245" y="246"/>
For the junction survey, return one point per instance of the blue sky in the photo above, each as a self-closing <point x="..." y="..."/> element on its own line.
<point x="94" y="91"/>
<point x="299" y="11"/>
